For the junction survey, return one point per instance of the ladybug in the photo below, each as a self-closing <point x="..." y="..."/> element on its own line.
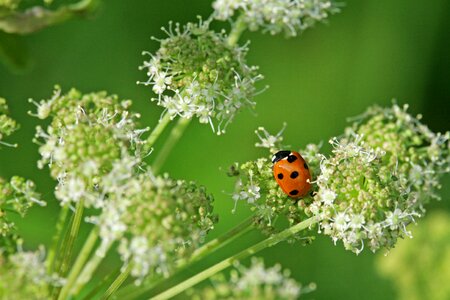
<point x="291" y="173"/>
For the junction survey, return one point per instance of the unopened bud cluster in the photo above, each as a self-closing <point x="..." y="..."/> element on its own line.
<point x="7" y="125"/>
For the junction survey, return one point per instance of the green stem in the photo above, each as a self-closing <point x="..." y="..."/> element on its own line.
<point x="132" y="292"/>
<point x="57" y="239"/>
<point x="75" y="227"/>
<point x="156" y="132"/>
<point x="269" y="242"/>
<point x="174" y="136"/>
<point x="117" y="283"/>
<point x="80" y="261"/>
<point x="236" y="31"/>
<point x="90" y="268"/>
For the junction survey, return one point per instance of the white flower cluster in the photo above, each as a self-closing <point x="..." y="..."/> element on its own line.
<point x="156" y="220"/>
<point x="382" y="172"/>
<point x="196" y="73"/>
<point x="23" y="275"/>
<point x="254" y="282"/>
<point x="7" y="125"/>
<point x="88" y="134"/>
<point x="276" y="16"/>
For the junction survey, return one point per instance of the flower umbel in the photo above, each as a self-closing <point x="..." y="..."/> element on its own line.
<point x="196" y="73"/>
<point x="88" y="134"/>
<point x="157" y="220"/>
<point x="276" y="16"/>
<point x="382" y="172"/>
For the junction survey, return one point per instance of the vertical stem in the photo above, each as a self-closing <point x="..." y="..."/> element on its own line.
<point x="236" y="31"/>
<point x="57" y="239"/>
<point x="75" y="227"/>
<point x="80" y="261"/>
<point x="174" y="136"/>
<point x="117" y="283"/>
<point x="90" y="268"/>
<point x="156" y="132"/>
<point x="132" y="292"/>
<point x="269" y="242"/>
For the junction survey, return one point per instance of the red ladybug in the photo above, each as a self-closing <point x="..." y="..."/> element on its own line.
<point x="292" y="173"/>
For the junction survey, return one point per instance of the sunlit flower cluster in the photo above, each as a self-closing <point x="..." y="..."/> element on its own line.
<point x="158" y="220"/>
<point x="88" y="134"/>
<point x="23" y="275"/>
<point x="381" y="173"/>
<point x="7" y="125"/>
<point x="254" y="282"/>
<point x="256" y="185"/>
<point x="276" y="16"/>
<point x="196" y="73"/>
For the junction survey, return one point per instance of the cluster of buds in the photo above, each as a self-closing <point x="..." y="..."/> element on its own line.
<point x="197" y="73"/>
<point x="276" y="16"/>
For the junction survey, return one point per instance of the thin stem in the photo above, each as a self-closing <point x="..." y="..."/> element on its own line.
<point x="90" y="267"/>
<point x="80" y="261"/>
<point x="269" y="242"/>
<point x="117" y="283"/>
<point x="57" y="238"/>
<point x="173" y="138"/>
<point x="75" y="227"/>
<point x="132" y="292"/>
<point x="156" y="132"/>
<point x="236" y="31"/>
<point x="101" y="285"/>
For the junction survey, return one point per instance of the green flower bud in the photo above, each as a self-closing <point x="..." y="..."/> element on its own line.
<point x="276" y="16"/>
<point x="196" y="73"/>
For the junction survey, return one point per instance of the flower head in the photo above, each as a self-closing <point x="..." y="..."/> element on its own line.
<point x="23" y="275"/>
<point x="157" y="220"/>
<point x="256" y="185"/>
<point x="276" y="16"/>
<point x="381" y="173"/>
<point x="7" y="125"/>
<point x="254" y="282"/>
<point x="196" y="73"/>
<point x="87" y="135"/>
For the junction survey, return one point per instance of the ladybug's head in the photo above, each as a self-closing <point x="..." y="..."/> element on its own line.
<point x="280" y="155"/>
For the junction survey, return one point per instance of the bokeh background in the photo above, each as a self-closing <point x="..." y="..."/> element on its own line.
<point x="370" y="53"/>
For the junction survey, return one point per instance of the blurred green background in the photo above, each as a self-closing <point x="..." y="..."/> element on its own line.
<point x="372" y="52"/>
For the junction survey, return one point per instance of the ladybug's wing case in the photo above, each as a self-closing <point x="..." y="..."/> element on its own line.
<point x="293" y="176"/>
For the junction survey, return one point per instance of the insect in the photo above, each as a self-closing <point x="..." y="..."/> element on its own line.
<point x="292" y="173"/>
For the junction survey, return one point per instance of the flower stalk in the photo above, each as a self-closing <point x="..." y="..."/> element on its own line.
<point x="269" y="242"/>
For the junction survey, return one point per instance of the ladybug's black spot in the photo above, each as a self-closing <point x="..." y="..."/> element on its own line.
<point x="293" y="192"/>
<point x="291" y="158"/>
<point x="280" y="155"/>
<point x="306" y="166"/>
<point x="280" y="176"/>
<point x="294" y="174"/>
